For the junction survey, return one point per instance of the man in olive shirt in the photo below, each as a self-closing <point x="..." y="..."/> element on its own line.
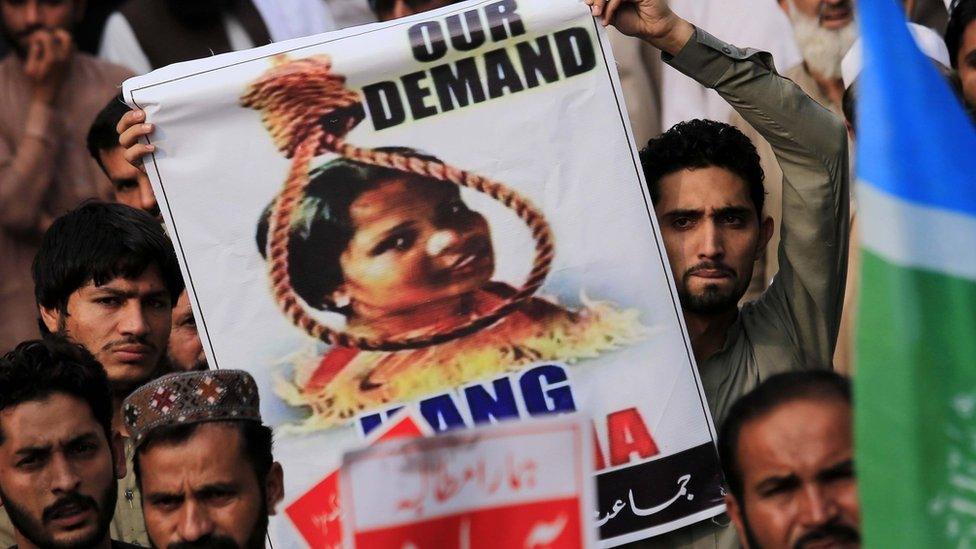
<point x="713" y="228"/>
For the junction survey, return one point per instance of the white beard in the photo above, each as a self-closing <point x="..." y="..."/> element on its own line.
<point x="822" y="49"/>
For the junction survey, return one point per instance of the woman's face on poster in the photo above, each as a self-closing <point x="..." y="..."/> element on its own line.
<point x="415" y="242"/>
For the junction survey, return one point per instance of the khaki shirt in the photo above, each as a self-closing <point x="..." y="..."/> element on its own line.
<point x="127" y="525"/>
<point x="793" y="324"/>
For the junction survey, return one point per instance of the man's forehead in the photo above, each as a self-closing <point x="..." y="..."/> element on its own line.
<point x="213" y="454"/>
<point x="799" y="437"/>
<point x="54" y="419"/>
<point x="149" y="281"/>
<point x="708" y="188"/>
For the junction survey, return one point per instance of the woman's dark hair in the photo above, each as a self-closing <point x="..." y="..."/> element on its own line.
<point x="257" y="441"/>
<point x="321" y="226"/>
<point x="962" y="14"/>
<point x="35" y="370"/>
<point x="97" y="242"/>
<point x="697" y="144"/>
<point x="818" y="385"/>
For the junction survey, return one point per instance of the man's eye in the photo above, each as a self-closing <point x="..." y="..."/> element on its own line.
<point x="682" y="223"/>
<point x="732" y="219"/>
<point x="84" y="449"/>
<point x="126" y="185"/>
<point x="30" y="462"/>
<point x="109" y="301"/>
<point x="167" y="504"/>
<point x="158" y="304"/>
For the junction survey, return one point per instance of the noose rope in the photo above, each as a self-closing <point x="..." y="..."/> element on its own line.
<point x="308" y="111"/>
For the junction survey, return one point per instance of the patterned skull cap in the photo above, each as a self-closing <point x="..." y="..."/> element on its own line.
<point x="191" y="397"/>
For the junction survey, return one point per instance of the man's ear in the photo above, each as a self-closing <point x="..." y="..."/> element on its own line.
<point x="51" y="318"/>
<point x="274" y="487"/>
<point x="765" y="233"/>
<point x="735" y="513"/>
<point x="118" y="455"/>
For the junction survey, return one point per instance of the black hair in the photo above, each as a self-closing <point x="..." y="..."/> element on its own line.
<point x="961" y="14"/>
<point x="36" y="369"/>
<point x="97" y="242"/>
<point x="102" y="135"/>
<point x="700" y="144"/>
<point x="820" y="385"/>
<point x="257" y="441"/>
<point x="321" y="226"/>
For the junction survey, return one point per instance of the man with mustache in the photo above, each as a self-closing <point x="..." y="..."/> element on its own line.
<point x="706" y="185"/>
<point x="203" y="460"/>
<point x="787" y="452"/>
<point x="59" y="457"/>
<point x="51" y="93"/>
<point x="106" y="278"/>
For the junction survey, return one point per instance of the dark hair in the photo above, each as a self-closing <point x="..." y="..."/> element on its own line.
<point x="962" y="14"/>
<point x="102" y="135"/>
<point x="700" y="144"/>
<point x="321" y="226"/>
<point x="96" y="242"/>
<point x="37" y="369"/>
<point x="257" y="441"/>
<point x="821" y="385"/>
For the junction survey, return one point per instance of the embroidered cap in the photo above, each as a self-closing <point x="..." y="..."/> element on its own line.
<point x="191" y="397"/>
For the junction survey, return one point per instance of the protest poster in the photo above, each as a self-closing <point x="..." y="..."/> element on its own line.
<point x="446" y="213"/>
<point x="474" y="489"/>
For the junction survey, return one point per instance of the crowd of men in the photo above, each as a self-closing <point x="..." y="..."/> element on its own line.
<point x="754" y="212"/>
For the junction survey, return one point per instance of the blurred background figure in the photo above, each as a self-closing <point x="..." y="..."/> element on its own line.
<point x="51" y="93"/>
<point x="147" y="34"/>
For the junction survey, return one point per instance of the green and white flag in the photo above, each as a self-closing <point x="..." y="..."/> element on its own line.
<point x="915" y="386"/>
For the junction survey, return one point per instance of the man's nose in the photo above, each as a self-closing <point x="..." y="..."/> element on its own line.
<point x="64" y="478"/>
<point x="816" y="506"/>
<point x="133" y="319"/>
<point x="147" y="199"/>
<point x="712" y="241"/>
<point x="195" y="523"/>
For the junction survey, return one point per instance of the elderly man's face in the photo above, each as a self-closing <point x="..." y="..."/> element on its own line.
<point x="797" y="473"/>
<point x="203" y="492"/>
<point x="832" y="14"/>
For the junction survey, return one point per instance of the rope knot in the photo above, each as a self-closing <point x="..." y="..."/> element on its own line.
<point x="303" y="97"/>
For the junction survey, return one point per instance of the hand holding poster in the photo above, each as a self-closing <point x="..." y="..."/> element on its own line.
<point x="445" y="213"/>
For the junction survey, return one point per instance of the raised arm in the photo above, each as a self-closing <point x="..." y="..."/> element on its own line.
<point x="804" y="303"/>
